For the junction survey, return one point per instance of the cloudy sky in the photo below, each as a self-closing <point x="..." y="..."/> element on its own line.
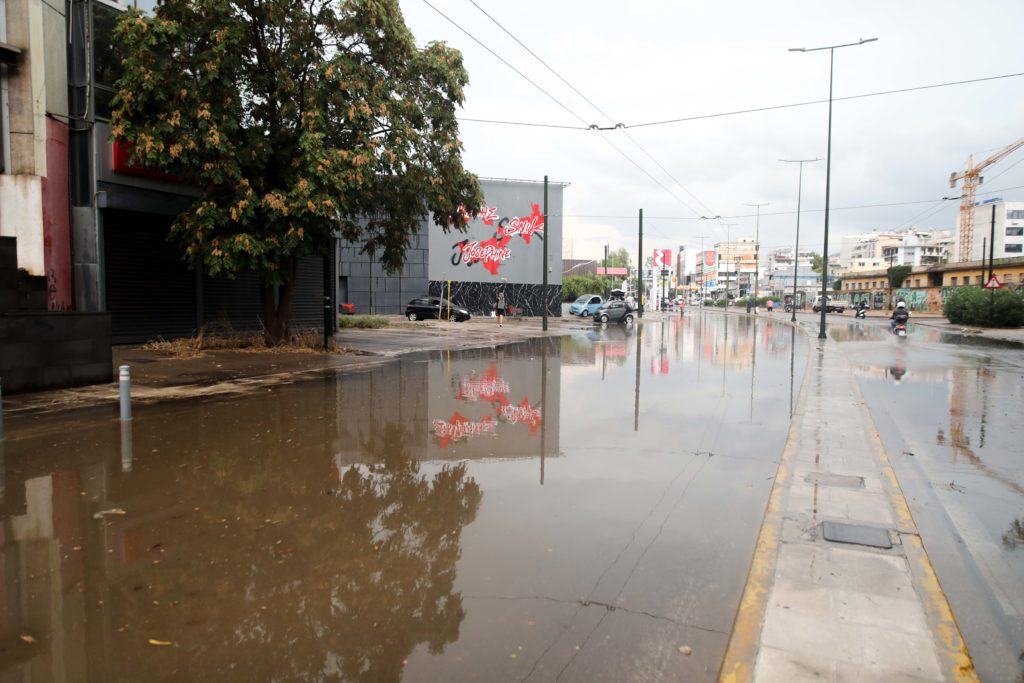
<point x="653" y="60"/>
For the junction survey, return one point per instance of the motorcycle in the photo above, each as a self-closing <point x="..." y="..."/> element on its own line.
<point x="861" y="312"/>
<point x="900" y="330"/>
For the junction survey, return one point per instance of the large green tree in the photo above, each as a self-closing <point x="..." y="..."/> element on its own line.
<point x="294" y="119"/>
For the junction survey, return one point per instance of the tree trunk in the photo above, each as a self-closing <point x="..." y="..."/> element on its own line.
<point x="276" y="304"/>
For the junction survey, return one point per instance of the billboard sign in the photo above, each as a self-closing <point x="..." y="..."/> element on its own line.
<point x="505" y="242"/>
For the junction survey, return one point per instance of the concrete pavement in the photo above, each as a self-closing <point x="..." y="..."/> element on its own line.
<point x="819" y="609"/>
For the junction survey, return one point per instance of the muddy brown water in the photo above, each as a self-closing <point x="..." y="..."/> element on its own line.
<point x="578" y="508"/>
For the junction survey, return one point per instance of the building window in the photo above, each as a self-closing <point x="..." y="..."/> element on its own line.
<point x="953" y="281"/>
<point x="1015" y="214"/>
<point x="917" y="282"/>
<point x="106" y="57"/>
<point x="1014" y="232"/>
<point x="1014" y="248"/>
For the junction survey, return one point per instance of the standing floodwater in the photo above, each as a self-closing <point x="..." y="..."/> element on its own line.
<point x="582" y="508"/>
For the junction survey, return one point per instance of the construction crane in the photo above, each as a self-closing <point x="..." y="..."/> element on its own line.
<point x="972" y="178"/>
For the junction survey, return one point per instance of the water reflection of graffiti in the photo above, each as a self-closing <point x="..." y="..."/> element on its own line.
<point x="489" y="387"/>
<point x="459" y="428"/>
<point x="523" y="413"/>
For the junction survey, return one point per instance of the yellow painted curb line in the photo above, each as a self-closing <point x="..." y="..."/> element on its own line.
<point x="744" y="642"/>
<point x="949" y="640"/>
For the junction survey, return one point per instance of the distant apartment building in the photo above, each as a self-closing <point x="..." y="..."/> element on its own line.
<point x="737" y="263"/>
<point x="920" y="248"/>
<point x="782" y="259"/>
<point x="1008" y="230"/>
<point x="879" y="250"/>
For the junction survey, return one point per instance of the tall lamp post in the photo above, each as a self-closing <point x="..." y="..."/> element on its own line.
<point x="757" y="251"/>
<point x="796" y="249"/>
<point x="828" y="168"/>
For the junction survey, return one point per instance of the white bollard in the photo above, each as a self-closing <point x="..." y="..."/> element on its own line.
<point x="126" y="392"/>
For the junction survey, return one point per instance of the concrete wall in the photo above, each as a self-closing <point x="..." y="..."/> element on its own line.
<point x="52" y="350"/>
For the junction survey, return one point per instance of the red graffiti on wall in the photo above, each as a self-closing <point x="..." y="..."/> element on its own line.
<point x="526" y="226"/>
<point x="491" y="253"/>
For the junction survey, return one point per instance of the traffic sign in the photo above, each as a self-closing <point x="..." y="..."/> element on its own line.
<point x="993" y="283"/>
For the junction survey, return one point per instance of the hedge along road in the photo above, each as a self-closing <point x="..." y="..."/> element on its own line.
<point x="582" y="507"/>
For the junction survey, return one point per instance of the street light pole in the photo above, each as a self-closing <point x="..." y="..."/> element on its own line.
<point x="796" y="249"/>
<point x="757" y="251"/>
<point x="828" y="170"/>
<point x="728" y="244"/>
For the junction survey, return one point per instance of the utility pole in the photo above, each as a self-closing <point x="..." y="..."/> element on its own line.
<point x="544" y="278"/>
<point x="640" y="269"/>
<point x="606" y="271"/>
<point x="728" y="245"/>
<point x="704" y="289"/>
<point x="757" y="250"/>
<point x="796" y="249"/>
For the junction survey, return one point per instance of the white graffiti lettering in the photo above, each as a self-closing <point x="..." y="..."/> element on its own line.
<point x="472" y="251"/>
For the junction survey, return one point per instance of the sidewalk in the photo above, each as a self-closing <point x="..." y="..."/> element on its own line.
<point x="868" y="609"/>
<point x="158" y="376"/>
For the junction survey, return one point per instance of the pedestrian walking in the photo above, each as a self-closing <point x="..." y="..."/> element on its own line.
<point x="750" y="305"/>
<point x="770" y="305"/>
<point x="499" y="307"/>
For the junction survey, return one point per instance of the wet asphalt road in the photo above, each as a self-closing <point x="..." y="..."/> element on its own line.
<point x="950" y="410"/>
<point x="581" y="508"/>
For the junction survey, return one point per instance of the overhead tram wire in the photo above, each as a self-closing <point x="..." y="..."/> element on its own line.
<point x="609" y="117"/>
<point x="503" y="61"/>
<point x="790" y="213"/>
<point x="754" y="110"/>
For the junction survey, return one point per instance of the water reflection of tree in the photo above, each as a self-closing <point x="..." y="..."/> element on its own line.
<point x="349" y="588"/>
<point x="1014" y="538"/>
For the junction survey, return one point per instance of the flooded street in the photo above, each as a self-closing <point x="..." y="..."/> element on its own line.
<point x="948" y="408"/>
<point x="578" y="508"/>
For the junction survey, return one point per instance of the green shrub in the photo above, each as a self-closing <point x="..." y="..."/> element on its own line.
<point x="977" y="306"/>
<point x="575" y="286"/>
<point x="370" y="322"/>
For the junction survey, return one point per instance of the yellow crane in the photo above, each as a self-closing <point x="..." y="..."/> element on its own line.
<point x="972" y="178"/>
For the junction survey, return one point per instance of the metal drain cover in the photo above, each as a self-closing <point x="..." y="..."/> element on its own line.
<point x="856" y="534"/>
<point x="828" y="479"/>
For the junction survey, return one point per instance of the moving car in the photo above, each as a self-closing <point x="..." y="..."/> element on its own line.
<point x="426" y="307"/>
<point x="614" y="312"/>
<point x="586" y="305"/>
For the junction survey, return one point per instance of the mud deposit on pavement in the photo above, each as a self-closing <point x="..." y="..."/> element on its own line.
<point x="581" y="508"/>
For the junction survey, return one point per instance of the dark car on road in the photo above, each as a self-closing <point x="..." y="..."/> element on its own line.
<point x="426" y="307"/>
<point x="614" y="312"/>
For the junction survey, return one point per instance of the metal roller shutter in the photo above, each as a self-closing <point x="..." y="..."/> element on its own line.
<point x="232" y="304"/>
<point x="150" y="291"/>
<point x="308" y="301"/>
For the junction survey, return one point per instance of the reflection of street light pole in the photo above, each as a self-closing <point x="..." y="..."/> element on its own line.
<point x="828" y="169"/>
<point x="796" y="249"/>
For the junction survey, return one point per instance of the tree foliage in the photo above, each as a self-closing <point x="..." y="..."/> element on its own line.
<point x="816" y="262"/>
<point x="575" y="286"/>
<point x="896" y="275"/>
<point x="978" y="306"/>
<point x="294" y="119"/>
<point x="618" y="258"/>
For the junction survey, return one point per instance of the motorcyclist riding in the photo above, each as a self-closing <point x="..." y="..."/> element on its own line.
<point x="900" y="315"/>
